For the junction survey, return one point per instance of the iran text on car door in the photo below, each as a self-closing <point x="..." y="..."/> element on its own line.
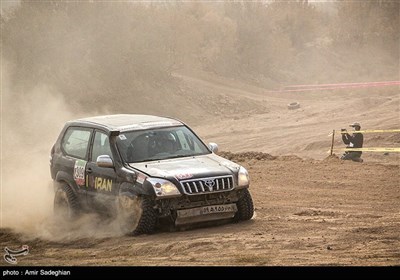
<point x="74" y="146"/>
<point x="102" y="179"/>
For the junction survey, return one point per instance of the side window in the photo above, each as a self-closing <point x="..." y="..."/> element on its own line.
<point x="75" y="142"/>
<point x="101" y="145"/>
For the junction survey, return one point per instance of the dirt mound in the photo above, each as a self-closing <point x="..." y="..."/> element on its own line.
<point x="332" y="158"/>
<point x="246" y="156"/>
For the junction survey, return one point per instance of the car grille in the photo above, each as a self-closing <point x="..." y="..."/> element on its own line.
<point x="207" y="185"/>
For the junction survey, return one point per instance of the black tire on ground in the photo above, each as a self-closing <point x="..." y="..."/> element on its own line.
<point x="136" y="215"/>
<point x="66" y="204"/>
<point x="245" y="207"/>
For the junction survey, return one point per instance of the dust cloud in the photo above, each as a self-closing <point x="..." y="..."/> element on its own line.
<point x="31" y="123"/>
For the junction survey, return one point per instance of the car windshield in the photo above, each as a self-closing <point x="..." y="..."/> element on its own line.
<point x="159" y="144"/>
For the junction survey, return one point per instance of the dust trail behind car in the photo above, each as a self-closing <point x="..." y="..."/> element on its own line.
<point x="26" y="189"/>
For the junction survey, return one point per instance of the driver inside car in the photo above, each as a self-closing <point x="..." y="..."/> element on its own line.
<point x="165" y="143"/>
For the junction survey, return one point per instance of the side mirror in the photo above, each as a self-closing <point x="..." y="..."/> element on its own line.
<point x="104" y="161"/>
<point x="213" y="147"/>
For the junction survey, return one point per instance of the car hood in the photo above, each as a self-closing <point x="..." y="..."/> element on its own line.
<point x="188" y="167"/>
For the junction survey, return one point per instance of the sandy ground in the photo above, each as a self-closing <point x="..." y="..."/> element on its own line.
<point x="308" y="212"/>
<point x="311" y="209"/>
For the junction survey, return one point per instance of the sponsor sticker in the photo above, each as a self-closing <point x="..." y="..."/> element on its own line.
<point x="79" y="172"/>
<point x="183" y="176"/>
<point x="140" y="178"/>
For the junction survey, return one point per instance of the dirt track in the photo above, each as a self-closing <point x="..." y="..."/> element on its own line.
<point x="308" y="212"/>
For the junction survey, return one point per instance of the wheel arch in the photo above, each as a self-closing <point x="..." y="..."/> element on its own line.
<point x="132" y="190"/>
<point x="63" y="177"/>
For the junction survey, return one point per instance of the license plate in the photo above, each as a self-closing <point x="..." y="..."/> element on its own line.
<point x="214" y="209"/>
<point x="219" y="209"/>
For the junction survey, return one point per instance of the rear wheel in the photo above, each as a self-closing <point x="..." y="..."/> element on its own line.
<point x="136" y="215"/>
<point x="245" y="207"/>
<point x="66" y="205"/>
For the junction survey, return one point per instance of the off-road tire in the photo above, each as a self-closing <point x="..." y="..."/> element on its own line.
<point x="145" y="216"/>
<point x="66" y="204"/>
<point x="245" y="207"/>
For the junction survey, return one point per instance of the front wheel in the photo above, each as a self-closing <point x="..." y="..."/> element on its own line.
<point x="245" y="207"/>
<point x="136" y="215"/>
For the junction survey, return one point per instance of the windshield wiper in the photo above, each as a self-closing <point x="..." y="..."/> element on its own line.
<point x="177" y="156"/>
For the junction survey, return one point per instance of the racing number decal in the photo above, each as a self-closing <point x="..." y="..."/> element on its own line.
<point x="79" y="172"/>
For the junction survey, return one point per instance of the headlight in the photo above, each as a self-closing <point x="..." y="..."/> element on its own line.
<point x="163" y="187"/>
<point x="243" y="177"/>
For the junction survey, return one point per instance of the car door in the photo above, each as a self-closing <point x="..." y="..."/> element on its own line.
<point x="75" y="147"/>
<point x="102" y="181"/>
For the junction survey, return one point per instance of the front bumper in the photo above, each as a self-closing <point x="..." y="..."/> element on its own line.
<point x="189" y="209"/>
<point x="205" y="214"/>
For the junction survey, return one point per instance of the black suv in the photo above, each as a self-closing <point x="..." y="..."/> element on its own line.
<point x="143" y="170"/>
